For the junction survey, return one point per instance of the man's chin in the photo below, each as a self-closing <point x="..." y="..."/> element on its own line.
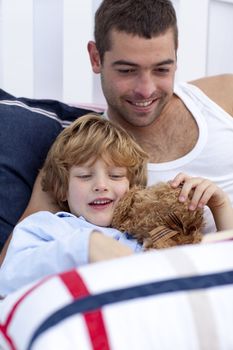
<point x="142" y="120"/>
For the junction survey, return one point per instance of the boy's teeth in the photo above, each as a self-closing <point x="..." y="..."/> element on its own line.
<point x="99" y="201"/>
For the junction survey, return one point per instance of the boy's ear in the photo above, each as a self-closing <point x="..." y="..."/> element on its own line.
<point x="94" y="57"/>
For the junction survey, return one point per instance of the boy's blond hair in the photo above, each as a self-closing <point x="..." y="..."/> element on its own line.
<point x="88" y="138"/>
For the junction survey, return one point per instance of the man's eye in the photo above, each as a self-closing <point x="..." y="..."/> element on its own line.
<point x="126" y="71"/>
<point x="162" y="70"/>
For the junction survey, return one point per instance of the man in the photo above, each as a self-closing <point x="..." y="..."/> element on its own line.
<point x="135" y="53"/>
<point x="185" y="128"/>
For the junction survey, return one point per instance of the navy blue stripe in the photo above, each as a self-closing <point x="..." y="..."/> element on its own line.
<point x="93" y="302"/>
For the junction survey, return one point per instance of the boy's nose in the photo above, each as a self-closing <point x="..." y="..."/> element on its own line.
<point x="100" y="185"/>
<point x="100" y="188"/>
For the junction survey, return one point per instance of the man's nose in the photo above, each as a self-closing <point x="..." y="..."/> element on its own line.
<point x="145" y="86"/>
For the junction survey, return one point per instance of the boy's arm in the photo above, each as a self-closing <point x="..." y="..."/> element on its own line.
<point x="103" y="247"/>
<point x="44" y="244"/>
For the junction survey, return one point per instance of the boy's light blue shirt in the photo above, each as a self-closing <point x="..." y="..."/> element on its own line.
<point x="46" y="243"/>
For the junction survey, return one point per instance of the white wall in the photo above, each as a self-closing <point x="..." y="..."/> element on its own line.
<point x="219" y="58"/>
<point x="43" y="46"/>
<point x="16" y="46"/>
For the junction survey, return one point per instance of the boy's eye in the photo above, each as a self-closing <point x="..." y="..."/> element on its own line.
<point x="86" y="176"/>
<point x="117" y="176"/>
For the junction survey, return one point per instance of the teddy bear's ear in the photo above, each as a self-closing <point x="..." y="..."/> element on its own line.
<point x="121" y="212"/>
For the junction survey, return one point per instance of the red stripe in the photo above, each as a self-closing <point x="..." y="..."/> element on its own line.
<point x="7" y="338"/>
<point x="74" y="284"/>
<point x="4" y="327"/>
<point x="97" y="331"/>
<point x="94" y="320"/>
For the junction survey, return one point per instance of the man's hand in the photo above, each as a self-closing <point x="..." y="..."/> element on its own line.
<point x="207" y="193"/>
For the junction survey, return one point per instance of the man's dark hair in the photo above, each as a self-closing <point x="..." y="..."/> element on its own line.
<point x="144" y="18"/>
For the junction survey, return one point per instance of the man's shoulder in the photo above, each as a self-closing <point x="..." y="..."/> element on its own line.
<point x="213" y="82"/>
<point x="218" y="88"/>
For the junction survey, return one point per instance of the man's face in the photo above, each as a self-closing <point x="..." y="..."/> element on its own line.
<point x="137" y="77"/>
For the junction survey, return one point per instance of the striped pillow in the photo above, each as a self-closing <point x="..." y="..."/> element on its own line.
<point x="176" y="298"/>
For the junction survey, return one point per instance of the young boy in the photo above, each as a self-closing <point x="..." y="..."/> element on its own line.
<point x="91" y="165"/>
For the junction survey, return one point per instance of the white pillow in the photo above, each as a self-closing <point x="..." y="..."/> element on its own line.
<point x="177" y="298"/>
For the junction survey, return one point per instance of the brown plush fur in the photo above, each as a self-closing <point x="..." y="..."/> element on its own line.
<point x="156" y="218"/>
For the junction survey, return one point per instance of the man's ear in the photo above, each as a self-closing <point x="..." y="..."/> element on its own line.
<point x="94" y="57"/>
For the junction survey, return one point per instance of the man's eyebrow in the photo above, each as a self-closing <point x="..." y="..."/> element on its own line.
<point x="132" y="64"/>
<point x="168" y="61"/>
<point x="124" y="63"/>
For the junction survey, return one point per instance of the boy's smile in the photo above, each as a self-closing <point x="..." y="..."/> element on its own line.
<point x="94" y="190"/>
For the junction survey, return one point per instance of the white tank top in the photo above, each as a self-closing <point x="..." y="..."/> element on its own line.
<point x="212" y="156"/>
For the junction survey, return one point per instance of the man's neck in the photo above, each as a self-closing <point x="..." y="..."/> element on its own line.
<point x="172" y="135"/>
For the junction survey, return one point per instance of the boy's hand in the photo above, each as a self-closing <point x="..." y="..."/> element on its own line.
<point x="102" y="247"/>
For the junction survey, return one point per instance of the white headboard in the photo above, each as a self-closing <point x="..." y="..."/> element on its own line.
<point x="43" y="46"/>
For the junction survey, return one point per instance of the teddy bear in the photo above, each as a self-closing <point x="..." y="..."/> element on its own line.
<point x="156" y="218"/>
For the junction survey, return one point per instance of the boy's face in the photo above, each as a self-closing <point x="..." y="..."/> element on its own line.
<point x="94" y="190"/>
<point x="137" y="76"/>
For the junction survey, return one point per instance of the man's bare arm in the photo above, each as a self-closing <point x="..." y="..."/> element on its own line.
<point x="39" y="200"/>
<point x="4" y="250"/>
<point x="219" y="88"/>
